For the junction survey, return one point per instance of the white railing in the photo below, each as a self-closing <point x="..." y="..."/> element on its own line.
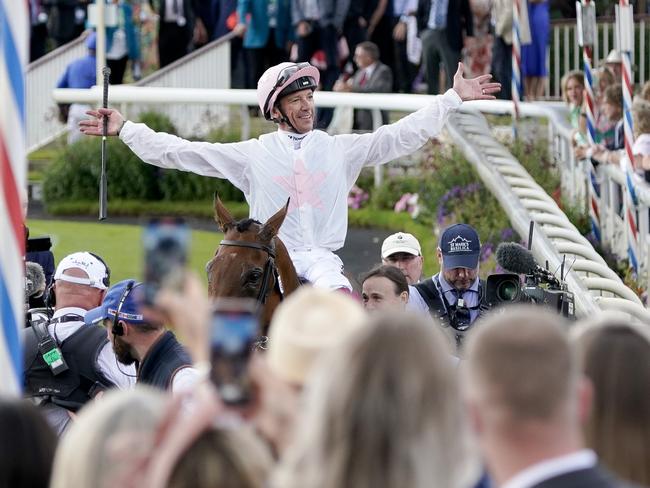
<point x="573" y="177"/>
<point x="43" y="124"/>
<point x="207" y="67"/>
<point x="565" y="55"/>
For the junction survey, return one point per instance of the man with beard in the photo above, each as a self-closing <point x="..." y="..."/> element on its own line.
<point x="65" y="363"/>
<point x="161" y="361"/>
<point x="454" y="294"/>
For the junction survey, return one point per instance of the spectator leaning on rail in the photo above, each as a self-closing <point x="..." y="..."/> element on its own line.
<point x="80" y="282"/>
<point x="454" y="294"/>
<point x="314" y="169"/>
<point x="403" y="251"/>
<point x="161" y="360"/>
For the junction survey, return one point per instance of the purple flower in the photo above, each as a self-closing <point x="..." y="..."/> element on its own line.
<point x="506" y="234"/>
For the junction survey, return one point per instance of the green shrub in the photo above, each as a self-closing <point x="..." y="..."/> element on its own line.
<point x="74" y="174"/>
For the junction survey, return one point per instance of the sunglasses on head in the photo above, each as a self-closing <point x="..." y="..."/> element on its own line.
<point x="117" y="328"/>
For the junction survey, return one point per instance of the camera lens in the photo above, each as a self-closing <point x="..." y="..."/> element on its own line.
<point x="507" y="291"/>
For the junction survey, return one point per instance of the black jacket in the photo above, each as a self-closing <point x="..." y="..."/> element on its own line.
<point x="83" y="379"/>
<point x="459" y="19"/>
<point x="162" y="362"/>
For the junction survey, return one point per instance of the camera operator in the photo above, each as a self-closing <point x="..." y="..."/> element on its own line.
<point x="138" y="338"/>
<point x="454" y="294"/>
<point x="67" y="364"/>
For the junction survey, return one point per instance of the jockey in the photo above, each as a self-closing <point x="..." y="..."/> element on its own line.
<point x="315" y="170"/>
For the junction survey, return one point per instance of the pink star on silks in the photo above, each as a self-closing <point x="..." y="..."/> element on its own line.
<point x="302" y="186"/>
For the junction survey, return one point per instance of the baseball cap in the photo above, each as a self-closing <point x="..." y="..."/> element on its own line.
<point x="130" y="309"/>
<point x="460" y="246"/>
<point x="613" y="57"/>
<point x="98" y="273"/>
<point x="400" y="242"/>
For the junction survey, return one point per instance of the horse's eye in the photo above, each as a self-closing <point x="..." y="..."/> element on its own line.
<point x="254" y="276"/>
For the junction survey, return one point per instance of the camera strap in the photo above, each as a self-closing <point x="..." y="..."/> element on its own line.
<point x="49" y="349"/>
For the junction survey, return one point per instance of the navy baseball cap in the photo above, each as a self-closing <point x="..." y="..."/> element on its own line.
<point x="460" y="247"/>
<point x="130" y="311"/>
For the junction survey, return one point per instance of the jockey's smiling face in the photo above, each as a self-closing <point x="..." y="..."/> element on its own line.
<point x="298" y="108"/>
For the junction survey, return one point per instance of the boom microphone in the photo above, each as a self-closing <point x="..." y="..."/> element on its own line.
<point x="34" y="280"/>
<point x="517" y="259"/>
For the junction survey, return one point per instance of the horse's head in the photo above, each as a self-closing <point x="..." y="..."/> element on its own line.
<point x="245" y="262"/>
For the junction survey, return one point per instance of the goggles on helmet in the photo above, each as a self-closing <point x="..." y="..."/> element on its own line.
<point x="284" y="75"/>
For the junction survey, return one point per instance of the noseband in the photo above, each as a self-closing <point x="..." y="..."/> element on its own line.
<point x="270" y="270"/>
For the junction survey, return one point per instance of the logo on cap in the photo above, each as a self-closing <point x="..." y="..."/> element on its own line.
<point x="459" y="244"/>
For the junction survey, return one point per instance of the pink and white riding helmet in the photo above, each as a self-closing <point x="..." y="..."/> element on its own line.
<point x="284" y="78"/>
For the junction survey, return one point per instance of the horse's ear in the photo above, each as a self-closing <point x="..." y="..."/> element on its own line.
<point x="221" y="214"/>
<point x="272" y="226"/>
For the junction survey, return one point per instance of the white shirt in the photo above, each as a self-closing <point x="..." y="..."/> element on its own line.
<point x="106" y="360"/>
<point x="317" y="173"/>
<point x="552" y="468"/>
<point x="184" y="380"/>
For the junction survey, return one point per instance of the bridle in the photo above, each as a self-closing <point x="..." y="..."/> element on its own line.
<point x="270" y="269"/>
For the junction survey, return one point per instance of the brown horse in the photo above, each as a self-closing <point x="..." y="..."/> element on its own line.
<point x="249" y="260"/>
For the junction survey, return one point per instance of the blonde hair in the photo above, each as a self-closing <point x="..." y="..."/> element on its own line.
<point x="641" y="116"/>
<point x="645" y="91"/>
<point x="307" y="323"/>
<point x="575" y="75"/>
<point x="106" y="438"/>
<point x="519" y="362"/>
<point x="383" y="411"/>
<point x="223" y="458"/>
<point x="614" y="356"/>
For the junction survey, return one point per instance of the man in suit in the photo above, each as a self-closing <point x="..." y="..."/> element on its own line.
<point x="441" y="24"/>
<point x="373" y="76"/>
<point x="527" y="400"/>
<point x="175" y="29"/>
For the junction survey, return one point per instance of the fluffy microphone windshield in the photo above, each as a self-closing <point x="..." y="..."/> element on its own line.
<point x="515" y="258"/>
<point x="35" y="279"/>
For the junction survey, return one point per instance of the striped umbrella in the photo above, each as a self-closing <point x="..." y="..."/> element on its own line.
<point x="14" y="37"/>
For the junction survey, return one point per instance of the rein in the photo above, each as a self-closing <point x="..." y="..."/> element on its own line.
<point x="269" y="267"/>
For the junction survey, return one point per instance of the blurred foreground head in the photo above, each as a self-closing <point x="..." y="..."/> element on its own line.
<point x="382" y="411"/>
<point x="615" y="356"/>
<point x="309" y="322"/>
<point x="525" y="394"/>
<point x="107" y="439"/>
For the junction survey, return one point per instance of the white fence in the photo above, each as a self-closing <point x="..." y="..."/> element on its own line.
<point x="565" y="55"/>
<point x="208" y="67"/>
<point x="43" y="124"/>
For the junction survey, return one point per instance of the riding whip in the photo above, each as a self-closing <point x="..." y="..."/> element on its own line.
<point x="103" y="189"/>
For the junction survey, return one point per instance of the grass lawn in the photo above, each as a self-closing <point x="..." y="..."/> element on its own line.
<point x="120" y="245"/>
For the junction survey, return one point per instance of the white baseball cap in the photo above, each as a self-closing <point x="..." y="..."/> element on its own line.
<point x="98" y="274"/>
<point x="400" y="242"/>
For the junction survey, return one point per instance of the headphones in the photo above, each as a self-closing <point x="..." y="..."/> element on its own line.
<point x="106" y="280"/>
<point x="117" y="328"/>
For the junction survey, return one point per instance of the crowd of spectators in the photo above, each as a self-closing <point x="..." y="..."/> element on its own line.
<point x="418" y="40"/>
<point x="340" y="396"/>
<point x="608" y="130"/>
